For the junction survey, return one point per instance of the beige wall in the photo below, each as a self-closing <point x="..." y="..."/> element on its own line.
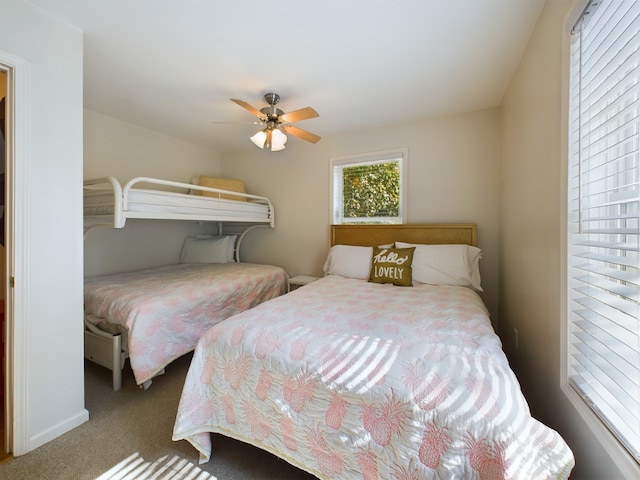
<point x="453" y="177"/>
<point x="460" y="150"/>
<point x="124" y="150"/>
<point x="531" y="217"/>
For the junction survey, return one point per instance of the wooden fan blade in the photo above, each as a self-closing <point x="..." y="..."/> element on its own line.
<point x="246" y="106"/>
<point x="238" y="123"/>
<point x="298" y="115"/>
<point x="303" y="134"/>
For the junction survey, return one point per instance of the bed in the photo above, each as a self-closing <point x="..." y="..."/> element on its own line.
<point x="159" y="314"/>
<point x="351" y="377"/>
<point x="155" y="315"/>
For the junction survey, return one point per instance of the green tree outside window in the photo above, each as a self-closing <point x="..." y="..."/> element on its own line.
<point x="371" y="190"/>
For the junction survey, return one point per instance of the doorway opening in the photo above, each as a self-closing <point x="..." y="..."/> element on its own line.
<point x="5" y="402"/>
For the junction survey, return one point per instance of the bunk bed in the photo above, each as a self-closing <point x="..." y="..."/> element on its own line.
<point x="386" y="367"/>
<point x="153" y="316"/>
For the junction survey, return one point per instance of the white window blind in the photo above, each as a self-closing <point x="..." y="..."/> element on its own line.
<point x="604" y="216"/>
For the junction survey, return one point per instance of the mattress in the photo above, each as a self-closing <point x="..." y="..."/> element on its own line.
<point x="164" y="203"/>
<point x="348" y="379"/>
<point x="163" y="311"/>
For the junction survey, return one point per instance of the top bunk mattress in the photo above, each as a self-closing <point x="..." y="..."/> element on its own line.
<point x="105" y="198"/>
<point x="155" y="201"/>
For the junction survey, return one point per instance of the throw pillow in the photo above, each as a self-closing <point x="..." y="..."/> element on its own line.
<point x="230" y="184"/>
<point x="392" y="265"/>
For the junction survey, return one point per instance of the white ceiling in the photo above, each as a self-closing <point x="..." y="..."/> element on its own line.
<point x="173" y="66"/>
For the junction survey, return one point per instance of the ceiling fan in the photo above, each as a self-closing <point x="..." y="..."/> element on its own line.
<point x="277" y="123"/>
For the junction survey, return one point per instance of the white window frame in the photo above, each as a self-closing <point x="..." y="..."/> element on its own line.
<point x="623" y="460"/>
<point x="335" y="168"/>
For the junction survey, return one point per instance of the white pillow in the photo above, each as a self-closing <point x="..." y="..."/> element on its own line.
<point x="349" y="261"/>
<point x="208" y="249"/>
<point x="449" y="264"/>
<point x="231" y="239"/>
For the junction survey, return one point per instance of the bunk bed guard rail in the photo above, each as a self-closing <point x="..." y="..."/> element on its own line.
<point x="107" y="203"/>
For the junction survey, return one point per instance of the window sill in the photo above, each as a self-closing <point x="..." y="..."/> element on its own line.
<point x="628" y="467"/>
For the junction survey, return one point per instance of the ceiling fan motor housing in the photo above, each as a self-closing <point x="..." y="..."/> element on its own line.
<point x="271" y="98"/>
<point x="272" y="112"/>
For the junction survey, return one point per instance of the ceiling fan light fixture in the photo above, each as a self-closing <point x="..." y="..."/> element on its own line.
<point x="277" y="123"/>
<point x="270" y="138"/>
<point x="259" y="138"/>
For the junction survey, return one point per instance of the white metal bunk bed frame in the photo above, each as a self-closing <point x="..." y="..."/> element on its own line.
<point x="106" y="348"/>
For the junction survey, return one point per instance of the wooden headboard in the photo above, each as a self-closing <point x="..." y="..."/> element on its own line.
<point x="368" y="235"/>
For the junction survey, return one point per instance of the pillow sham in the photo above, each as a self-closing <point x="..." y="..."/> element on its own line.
<point x="449" y="264"/>
<point x="231" y="184"/>
<point x="208" y="249"/>
<point x="349" y="261"/>
<point x="392" y="265"/>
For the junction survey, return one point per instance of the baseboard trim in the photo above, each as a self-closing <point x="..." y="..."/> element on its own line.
<point x="63" y="427"/>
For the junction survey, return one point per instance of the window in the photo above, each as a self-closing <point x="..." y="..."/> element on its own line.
<point x="369" y="188"/>
<point x="603" y="231"/>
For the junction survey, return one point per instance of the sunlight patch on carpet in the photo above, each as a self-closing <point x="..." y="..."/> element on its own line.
<point x="135" y="467"/>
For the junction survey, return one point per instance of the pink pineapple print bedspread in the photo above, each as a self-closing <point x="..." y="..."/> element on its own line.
<point x="354" y="380"/>
<point x="164" y="311"/>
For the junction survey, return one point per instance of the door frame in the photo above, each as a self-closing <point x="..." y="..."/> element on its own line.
<point x="16" y="209"/>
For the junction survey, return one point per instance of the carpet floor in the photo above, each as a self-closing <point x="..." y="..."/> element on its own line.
<point x="128" y="436"/>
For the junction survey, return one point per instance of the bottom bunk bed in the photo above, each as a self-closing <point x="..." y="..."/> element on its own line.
<point x="156" y="315"/>
<point x="354" y="376"/>
<point x="153" y="316"/>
